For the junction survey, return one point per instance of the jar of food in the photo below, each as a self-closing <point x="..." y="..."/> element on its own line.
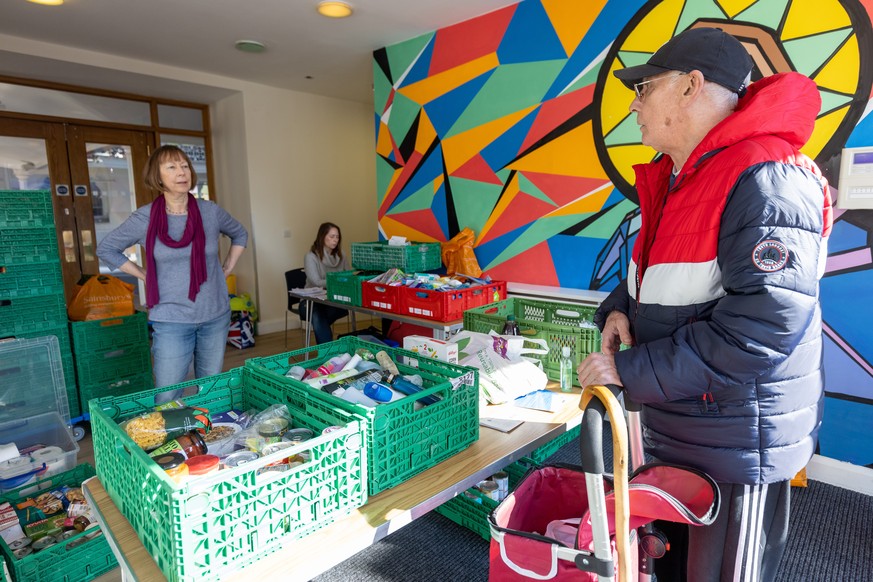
<point x="202" y="465"/>
<point x="174" y="465"/>
<point x="272" y="430"/>
<point x="189" y="444"/>
<point x="81" y="522"/>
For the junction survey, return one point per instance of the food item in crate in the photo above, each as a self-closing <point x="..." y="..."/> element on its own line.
<point x="48" y="503"/>
<point x="267" y="426"/>
<point x="174" y="465"/>
<point x="202" y="465"/>
<point x="152" y="429"/>
<point x="189" y="444"/>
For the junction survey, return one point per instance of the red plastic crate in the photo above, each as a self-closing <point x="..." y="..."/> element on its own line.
<point x="484" y="294"/>
<point x="379" y="296"/>
<point x="431" y="304"/>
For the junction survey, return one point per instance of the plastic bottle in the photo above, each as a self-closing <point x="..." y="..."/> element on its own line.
<point x="356" y="396"/>
<point x="390" y="367"/>
<point x="566" y="369"/>
<point x="511" y="326"/>
<point x="335" y="364"/>
<point x="296" y="372"/>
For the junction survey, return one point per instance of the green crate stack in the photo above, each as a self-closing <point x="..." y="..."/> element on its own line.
<point x="402" y="441"/>
<point x="208" y="527"/>
<point x="82" y="557"/>
<point x="32" y="302"/>
<point x="560" y="324"/>
<point x="345" y="286"/>
<point x="112" y="356"/>
<point x="471" y="508"/>
<point x="380" y="256"/>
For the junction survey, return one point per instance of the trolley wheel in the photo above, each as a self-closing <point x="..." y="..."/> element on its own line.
<point x="78" y="432"/>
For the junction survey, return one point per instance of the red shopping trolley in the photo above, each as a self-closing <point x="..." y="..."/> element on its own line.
<point x="565" y="522"/>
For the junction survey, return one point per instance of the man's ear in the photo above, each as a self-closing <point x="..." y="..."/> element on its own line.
<point x="693" y="84"/>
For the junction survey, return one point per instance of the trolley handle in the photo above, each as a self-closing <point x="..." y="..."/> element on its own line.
<point x="591" y="438"/>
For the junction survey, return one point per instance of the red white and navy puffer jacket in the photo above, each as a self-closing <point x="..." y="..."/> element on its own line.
<point x="723" y="295"/>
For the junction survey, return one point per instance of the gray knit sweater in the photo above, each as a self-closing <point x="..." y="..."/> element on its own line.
<point x="174" y="265"/>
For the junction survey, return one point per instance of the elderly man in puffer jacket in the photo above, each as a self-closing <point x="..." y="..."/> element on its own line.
<point x="721" y="304"/>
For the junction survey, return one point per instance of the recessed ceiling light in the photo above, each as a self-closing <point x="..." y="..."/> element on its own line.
<point x="47" y="2"/>
<point x="334" y="8"/>
<point x="250" y="46"/>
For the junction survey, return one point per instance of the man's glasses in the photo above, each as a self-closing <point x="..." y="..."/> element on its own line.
<point x="641" y="88"/>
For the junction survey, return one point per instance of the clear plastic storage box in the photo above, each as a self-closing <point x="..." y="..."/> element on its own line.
<point x="35" y="437"/>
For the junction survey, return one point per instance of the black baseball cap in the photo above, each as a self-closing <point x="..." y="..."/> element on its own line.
<point x="719" y="56"/>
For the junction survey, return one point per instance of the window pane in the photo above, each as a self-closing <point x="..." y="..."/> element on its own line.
<point x="195" y="147"/>
<point x="23" y="164"/>
<point x="180" y="117"/>
<point x="39" y="101"/>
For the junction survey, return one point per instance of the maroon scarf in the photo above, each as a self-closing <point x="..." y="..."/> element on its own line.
<point x="193" y="233"/>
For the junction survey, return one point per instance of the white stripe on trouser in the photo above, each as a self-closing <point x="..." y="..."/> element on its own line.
<point x="749" y="541"/>
<point x="743" y="520"/>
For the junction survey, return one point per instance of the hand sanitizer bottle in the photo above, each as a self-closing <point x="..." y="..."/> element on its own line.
<point x="566" y="370"/>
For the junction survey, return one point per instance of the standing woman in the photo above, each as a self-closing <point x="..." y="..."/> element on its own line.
<point x="186" y="290"/>
<point x="325" y="256"/>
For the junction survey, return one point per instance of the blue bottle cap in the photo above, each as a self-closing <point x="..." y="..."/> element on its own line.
<point x="378" y="392"/>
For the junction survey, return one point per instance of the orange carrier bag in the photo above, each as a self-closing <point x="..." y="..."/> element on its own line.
<point x="458" y="255"/>
<point x="102" y="297"/>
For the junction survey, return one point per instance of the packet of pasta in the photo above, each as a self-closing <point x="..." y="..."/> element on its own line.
<point x="152" y="429"/>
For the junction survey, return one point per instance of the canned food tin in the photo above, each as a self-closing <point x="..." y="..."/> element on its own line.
<point x="272" y="448"/>
<point x="489" y="489"/>
<point x="240" y="458"/>
<point x="272" y="430"/>
<point x="43" y="543"/>
<point x="22" y="552"/>
<point x="66" y="535"/>
<point x="298" y="435"/>
<point x="19" y="543"/>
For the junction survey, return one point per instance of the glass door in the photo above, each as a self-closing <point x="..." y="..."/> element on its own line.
<point x="94" y="175"/>
<point x="106" y="168"/>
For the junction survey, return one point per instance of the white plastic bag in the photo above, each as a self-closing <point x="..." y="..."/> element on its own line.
<point x="500" y="379"/>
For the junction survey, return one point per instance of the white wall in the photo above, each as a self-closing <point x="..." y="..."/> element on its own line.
<point x="310" y="161"/>
<point x="284" y="160"/>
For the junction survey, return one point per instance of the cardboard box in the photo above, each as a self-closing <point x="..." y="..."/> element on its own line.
<point x="432" y="348"/>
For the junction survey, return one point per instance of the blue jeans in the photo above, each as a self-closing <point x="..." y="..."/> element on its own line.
<point x="175" y="345"/>
<point x="323" y="317"/>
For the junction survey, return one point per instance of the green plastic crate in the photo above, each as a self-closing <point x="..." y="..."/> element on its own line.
<point x="82" y="557"/>
<point x="208" y="527"/>
<point x="560" y="324"/>
<point x="471" y="509"/>
<point x="28" y="245"/>
<point x="102" y="335"/>
<point x="345" y="286"/>
<point x="380" y="256"/>
<point x="128" y="384"/>
<point x="26" y="314"/>
<point x="23" y="208"/>
<point x="539" y="455"/>
<point x="401" y="441"/>
<point x="30" y="279"/>
<point x="105" y="367"/>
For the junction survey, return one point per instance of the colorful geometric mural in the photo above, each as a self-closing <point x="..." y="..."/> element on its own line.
<point x="513" y="125"/>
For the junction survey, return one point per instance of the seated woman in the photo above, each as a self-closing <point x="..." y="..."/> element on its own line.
<point x="325" y="256"/>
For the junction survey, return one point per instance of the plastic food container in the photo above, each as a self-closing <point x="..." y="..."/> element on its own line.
<point x="219" y="445"/>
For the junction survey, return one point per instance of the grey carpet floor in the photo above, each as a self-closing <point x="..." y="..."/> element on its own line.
<point x="830" y="540"/>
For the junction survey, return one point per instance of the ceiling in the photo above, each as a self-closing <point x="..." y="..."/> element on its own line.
<point x="200" y="35"/>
